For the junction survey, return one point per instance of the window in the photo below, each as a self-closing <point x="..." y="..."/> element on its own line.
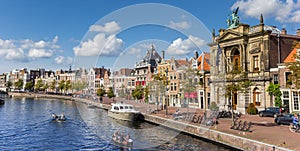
<point x="207" y="82"/>
<point x="287" y="81"/>
<point x="256" y="98"/>
<point x="296" y="100"/>
<point x="275" y="78"/>
<point x="175" y="86"/>
<point x="285" y="97"/>
<point x="180" y="77"/>
<point x="201" y="81"/>
<point x="208" y="100"/>
<point x="236" y="59"/>
<point x="201" y="99"/>
<point x="195" y="80"/>
<point x="255" y="64"/>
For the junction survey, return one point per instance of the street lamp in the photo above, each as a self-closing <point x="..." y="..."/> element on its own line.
<point x="166" y="91"/>
<point x="189" y="95"/>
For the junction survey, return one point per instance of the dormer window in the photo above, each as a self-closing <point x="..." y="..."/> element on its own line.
<point x="298" y="55"/>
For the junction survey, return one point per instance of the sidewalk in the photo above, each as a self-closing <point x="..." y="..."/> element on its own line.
<point x="263" y="129"/>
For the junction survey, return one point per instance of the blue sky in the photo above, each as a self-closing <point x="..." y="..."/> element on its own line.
<point x="55" y="34"/>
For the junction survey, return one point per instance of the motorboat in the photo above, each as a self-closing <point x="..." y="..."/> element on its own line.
<point x="122" y="111"/>
<point x="122" y="140"/>
<point x="61" y="117"/>
<point x="2" y="100"/>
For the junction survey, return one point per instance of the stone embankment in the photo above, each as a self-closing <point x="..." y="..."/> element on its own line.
<point x="213" y="135"/>
<point x="204" y="132"/>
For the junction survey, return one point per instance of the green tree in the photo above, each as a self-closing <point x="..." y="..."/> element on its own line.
<point x="189" y="84"/>
<point x="61" y="85"/>
<point x="53" y="85"/>
<point x="38" y="86"/>
<point x="156" y="89"/>
<point x="110" y="93"/>
<point x="294" y="78"/>
<point x="146" y="94"/>
<point x="101" y="92"/>
<point x="237" y="81"/>
<point x="80" y="85"/>
<point x="138" y="92"/>
<point x="252" y="109"/>
<point x="9" y="85"/>
<point x="67" y="85"/>
<point x="213" y="106"/>
<point x="45" y="87"/>
<point x="29" y="86"/>
<point x="19" y="84"/>
<point x="122" y="91"/>
<point x="274" y="90"/>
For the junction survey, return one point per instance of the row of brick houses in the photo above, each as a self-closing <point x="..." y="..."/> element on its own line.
<point x="260" y="51"/>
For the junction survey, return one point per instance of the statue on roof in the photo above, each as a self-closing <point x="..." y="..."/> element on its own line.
<point x="235" y="20"/>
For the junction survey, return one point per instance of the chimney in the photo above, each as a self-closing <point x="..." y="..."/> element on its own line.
<point x="298" y="32"/>
<point x="163" y="54"/>
<point x="196" y="54"/>
<point x="283" y="31"/>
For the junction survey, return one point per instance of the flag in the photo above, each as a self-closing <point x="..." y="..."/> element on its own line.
<point x="219" y="51"/>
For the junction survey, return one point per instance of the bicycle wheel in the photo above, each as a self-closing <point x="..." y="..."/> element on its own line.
<point x="292" y="128"/>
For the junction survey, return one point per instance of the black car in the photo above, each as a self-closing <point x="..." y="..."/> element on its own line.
<point x="270" y="111"/>
<point x="286" y="119"/>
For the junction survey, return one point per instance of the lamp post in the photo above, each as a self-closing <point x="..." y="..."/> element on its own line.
<point x="166" y="91"/>
<point x="189" y="95"/>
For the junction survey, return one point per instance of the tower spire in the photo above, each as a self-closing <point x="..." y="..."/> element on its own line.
<point x="261" y="19"/>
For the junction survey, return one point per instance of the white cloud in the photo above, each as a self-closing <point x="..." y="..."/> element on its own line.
<point x="180" y="25"/>
<point x="59" y="59"/>
<point x="100" y="44"/>
<point x="134" y="51"/>
<point x="39" y="53"/>
<point x="30" y="44"/>
<point x="108" y="28"/>
<point x="15" y="54"/>
<point x="10" y="51"/>
<point x="103" y="43"/>
<point x="63" y="60"/>
<point x="24" y="50"/>
<point x="183" y="47"/>
<point x="283" y="11"/>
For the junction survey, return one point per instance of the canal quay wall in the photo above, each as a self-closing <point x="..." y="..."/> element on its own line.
<point x="207" y="133"/>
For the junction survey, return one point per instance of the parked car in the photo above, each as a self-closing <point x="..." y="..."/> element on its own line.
<point x="270" y="111"/>
<point x="286" y="119"/>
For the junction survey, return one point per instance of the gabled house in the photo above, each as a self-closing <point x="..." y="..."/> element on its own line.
<point x="145" y="69"/>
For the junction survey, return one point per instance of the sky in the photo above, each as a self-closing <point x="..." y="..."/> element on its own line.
<point x="57" y="34"/>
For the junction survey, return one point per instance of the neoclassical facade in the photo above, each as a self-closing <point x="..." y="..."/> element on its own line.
<point x="254" y="50"/>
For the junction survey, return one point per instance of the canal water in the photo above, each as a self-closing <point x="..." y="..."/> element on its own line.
<point x="25" y="124"/>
